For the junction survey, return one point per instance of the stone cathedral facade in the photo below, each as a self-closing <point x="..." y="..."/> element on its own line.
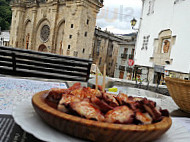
<point x="64" y="27"/>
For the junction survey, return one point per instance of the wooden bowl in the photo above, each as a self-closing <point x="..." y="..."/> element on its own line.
<point x="94" y="130"/>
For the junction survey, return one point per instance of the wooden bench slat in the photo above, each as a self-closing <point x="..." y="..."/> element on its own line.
<point x="44" y="65"/>
<point x="31" y="52"/>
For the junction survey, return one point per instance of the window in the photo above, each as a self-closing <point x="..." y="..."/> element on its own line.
<point x="125" y="50"/>
<point x="85" y="34"/>
<point x="87" y="22"/>
<point x="69" y="47"/>
<point x="83" y="51"/>
<point x="122" y="68"/>
<point x="98" y="46"/>
<point x="70" y="36"/>
<point x="145" y="42"/>
<point x="44" y="33"/>
<point x="132" y="51"/>
<point x="100" y="60"/>
<point x="72" y="25"/>
<point x="151" y="7"/>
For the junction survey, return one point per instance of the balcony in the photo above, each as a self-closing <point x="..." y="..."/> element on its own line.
<point x="124" y="56"/>
<point x="131" y="56"/>
<point x="128" y="69"/>
<point x="122" y="68"/>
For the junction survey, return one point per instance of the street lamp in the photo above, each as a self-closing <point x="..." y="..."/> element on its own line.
<point x="133" y="23"/>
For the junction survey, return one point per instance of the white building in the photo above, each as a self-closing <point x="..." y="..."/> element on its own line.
<point x="123" y="69"/>
<point x="4" y="38"/>
<point x="163" y="44"/>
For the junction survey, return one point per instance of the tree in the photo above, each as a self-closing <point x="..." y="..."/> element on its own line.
<point x="5" y="14"/>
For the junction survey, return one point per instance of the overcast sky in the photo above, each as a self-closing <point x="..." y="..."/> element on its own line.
<point x="117" y="14"/>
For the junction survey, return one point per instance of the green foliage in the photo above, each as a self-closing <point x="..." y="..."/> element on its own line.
<point x="5" y="14"/>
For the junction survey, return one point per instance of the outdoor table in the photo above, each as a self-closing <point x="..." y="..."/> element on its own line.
<point x="15" y="90"/>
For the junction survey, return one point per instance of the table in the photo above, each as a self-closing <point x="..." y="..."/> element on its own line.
<point x="15" y="90"/>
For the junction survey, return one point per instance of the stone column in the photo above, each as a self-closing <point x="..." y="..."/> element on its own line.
<point x="33" y="33"/>
<point x="53" y="27"/>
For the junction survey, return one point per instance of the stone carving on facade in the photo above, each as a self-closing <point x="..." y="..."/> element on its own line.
<point x="44" y="12"/>
<point x="163" y="47"/>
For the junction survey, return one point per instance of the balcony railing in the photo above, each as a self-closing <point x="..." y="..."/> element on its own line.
<point x="128" y="69"/>
<point x="122" y="68"/>
<point x="124" y="56"/>
<point x="131" y="56"/>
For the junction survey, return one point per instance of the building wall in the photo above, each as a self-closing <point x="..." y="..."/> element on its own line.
<point x="4" y="38"/>
<point x="124" y="62"/>
<point x="167" y="15"/>
<point x="67" y="21"/>
<point x="105" y="50"/>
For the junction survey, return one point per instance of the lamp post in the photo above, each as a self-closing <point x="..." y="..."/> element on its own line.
<point x="133" y="23"/>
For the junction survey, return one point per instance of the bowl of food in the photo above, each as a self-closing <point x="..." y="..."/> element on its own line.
<point x="99" y="116"/>
<point x="180" y="92"/>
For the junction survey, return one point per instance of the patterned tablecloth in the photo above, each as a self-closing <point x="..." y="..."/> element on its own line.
<point x="14" y="90"/>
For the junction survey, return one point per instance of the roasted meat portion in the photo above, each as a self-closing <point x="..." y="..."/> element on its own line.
<point x="65" y="102"/>
<point x="110" y="99"/>
<point x="101" y="104"/>
<point x="87" y="110"/>
<point x="55" y="95"/>
<point x="86" y="92"/>
<point x="144" y="118"/>
<point x="121" y="114"/>
<point x="122" y="98"/>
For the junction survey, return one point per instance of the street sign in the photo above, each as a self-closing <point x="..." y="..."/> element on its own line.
<point x="131" y="62"/>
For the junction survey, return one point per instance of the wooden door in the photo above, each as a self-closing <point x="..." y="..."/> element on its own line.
<point x="121" y="74"/>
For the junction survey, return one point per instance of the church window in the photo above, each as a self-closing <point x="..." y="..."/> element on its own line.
<point x="87" y="22"/>
<point x="70" y="36"/>
<point x="72" y="25"/>
<point x="145" y="42"/>
<point x="100" y="60"/>
<point x="151" y="7"/>
<point x="45" y="32"/>
<point x="83" y="51"/>
<point x="69" y="47"/>
<point x="85" y="34"/>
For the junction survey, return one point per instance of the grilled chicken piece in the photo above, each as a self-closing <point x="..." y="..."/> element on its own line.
<point x="121" y="114"/>
<point x="132" y="102"/>
<point x="55" y="95"/>
<point x="75" y="86"/>
<point x="154" y="112"/>
<point x="144" y="118"/>
<point x="101" y="104"/>
<point x="122" y="98"/>
<point x="110" y="99"/>
<point x="87" y="110"/>
<point x="96" y="93"/>
<point x="86" y="93"/>
<point x="65" y="101"/>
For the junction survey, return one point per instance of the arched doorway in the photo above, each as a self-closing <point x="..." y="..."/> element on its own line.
<point x="42" y="48"/>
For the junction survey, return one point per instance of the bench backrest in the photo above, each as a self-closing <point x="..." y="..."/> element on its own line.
<point x="28" y="63"/>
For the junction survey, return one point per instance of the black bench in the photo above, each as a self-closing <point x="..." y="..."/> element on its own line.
<point x="28" y="63"/>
